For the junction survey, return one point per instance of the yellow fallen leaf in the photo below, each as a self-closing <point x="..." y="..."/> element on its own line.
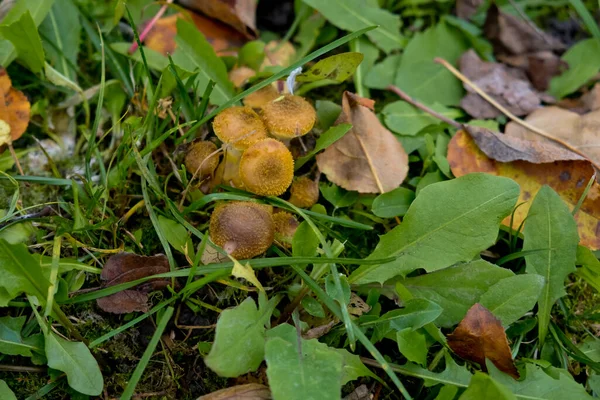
<point x="246" y="272"/>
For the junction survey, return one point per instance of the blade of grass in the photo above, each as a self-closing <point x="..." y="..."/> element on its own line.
<point x="53" y="274"/>
<point x="277" y="76"/>
<point x="142" y="53"/>
<point x="583" y="195"/>
<point x="139" y="369"/>
<point x="188" y="109"/>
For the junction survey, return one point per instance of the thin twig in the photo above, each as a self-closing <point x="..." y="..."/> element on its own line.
<point x="423" y="107"/>
<point x="510" y="115"/>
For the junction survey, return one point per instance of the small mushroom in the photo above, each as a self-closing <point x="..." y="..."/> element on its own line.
<point x="304" y="192"/>
<point x="289" y="116"/>
<point x="242" y="228"/>
<point x="239" y="127"/>
<point x="201" y="158"/>
<point x="261" y="97"/>
<point x="267" y="168"/>
<point x="285" y="228"/>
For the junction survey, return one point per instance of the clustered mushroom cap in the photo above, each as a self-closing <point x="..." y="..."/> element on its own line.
<point x="243" y="229"/>
<point x="289" y="116"/>
<point x="304" y="192"/>
<point x="239" y="126"/>
<point x="267" y="168"/>
<point x="261" y="97"/>
<point x="202" y="154"/>
<point x="285" y="227"/>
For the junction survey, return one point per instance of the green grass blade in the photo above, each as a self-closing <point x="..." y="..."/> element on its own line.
<point x="587" y="18"/>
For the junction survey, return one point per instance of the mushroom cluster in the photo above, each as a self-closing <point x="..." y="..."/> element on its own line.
<point x="255" y="142"/>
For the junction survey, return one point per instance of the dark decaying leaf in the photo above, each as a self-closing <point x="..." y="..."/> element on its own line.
<point x="480" y="335"/>
<point x="466" y="8"/>
<point x="127" y="267"/>
<point x="250" y="391"/>
<point x="239" y="14"/>
<point x="512" y="35"/>
<point x="508" y="86"/>
<point x="540" y="66"/>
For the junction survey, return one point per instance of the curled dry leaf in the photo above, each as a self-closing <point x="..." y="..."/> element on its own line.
<point x="580" y="131"/>
<point x="369" y="158"/>
<point x="222" y="38"/>
<point x="239" y="14"/>
<point x="540" y="66"/>
<point x="480" y="335"/>
<point x="250" y="391"/>
<point x="14" y="110"/>
<point x="512" y="35"/>
<point x="508" y="86"/>
<point x="127" y="267"/>
<point x="568" y="178"/>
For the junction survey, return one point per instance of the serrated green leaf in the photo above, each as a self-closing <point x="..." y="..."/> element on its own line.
<point x="584" y="62"/>
<point x="301" y="369"/>
<point x="24" y="36"/>
<point x="482" y="386"/>
<point x="352" y="15"/>
<point x="550" y="228"/>
<point x="447" y="223"/>
<point x="239" y="344"/>
<point x="405" y="119"/>
<point x="5" y="392"/>
<point x="338" y="67"/>
<point x="75" y="360"/>
<point x="510" y="298"/>
<point x="11" y="341"/>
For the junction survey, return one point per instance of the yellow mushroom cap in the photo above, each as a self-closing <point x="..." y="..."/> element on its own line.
<point x="267" y="168"/>
<point x="239" y="126"/>
<point x="289" y="117"/>
<point x="304" y="192"/>
<point x="202" y="154"/>
<point x="242" y="228"/>
<point x="285" y="227"/>
<point x="261" y="97"/>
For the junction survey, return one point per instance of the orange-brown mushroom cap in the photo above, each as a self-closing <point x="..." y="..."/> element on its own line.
<point x="304" y="192"/>
<point x="289" y="117"/>
<point x="202" y="154"/>
<point x="285" y="228"/>
<point x="267" y="168"/>
<point x="239" y="126"/>
<point x="261" y="97"/>
<point x="242" y="228"/>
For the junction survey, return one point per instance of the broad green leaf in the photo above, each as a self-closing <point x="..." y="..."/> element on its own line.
<point x="416" y="314"/>
<point x="453" y="374"/>
<point x="590" y="266"/>
<point x="474" y="36"/>
<point x="337" y="196"/>
<point x="21" y="272"/>
<point x="5" y="392"/>
<point x="457" y="287"/>
<point x="412" y="345"/>
<point x="155" y="60"/>
<point x="176" y="235"/>
<point x="338" y="67"/>
<point x="58" y="79"/>
<point x="353" y="368"/>
<point x="447" y="223"/>
<point x="352" y="15"/>
<point x="550" y="227"/>
<point x="327" y="113"/>
<point x="38" y="10"/>
<point x="405" y="119"/>
<point x="591" y="348"/>
<point x="448" y="392"/>
<point x="541" y="384"/>
<point x="512" y="297"/>
<point x="301" y="369"/>
<point x="425" y="80"/>
<point x="482" y="386"/>
<point x="326" y="139"/>
<point x="61" y="37"/>
<point x="313" y="307"/>
<point x="252" y="54"/>
<point x="11" y="341"/>
<point x="305" y="242"/>
<point x="75" y="360"/>
<point x="371" y="53"/>
<point x="24" y="36"/>
<point x="307" y="34"/>
<point x="394" y="203"/>
<point x="584" y="62"/>
<point x="239" y="344"/>
<point x="383" y="73"/>
<point x="193" y="53"/>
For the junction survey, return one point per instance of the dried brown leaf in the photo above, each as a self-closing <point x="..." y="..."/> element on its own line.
<point x="250" y="391"/>
<point x="508" y="86"/>
<point x="14" y="108"/>
<point x="480" y="335"/>
<point x="369" y="158"/>
<point x="540" y="67"/>
<point x="512" y="35"/>
<point x="127" y="267"/>
<point x="239" y="14"/>
<point x="591" y="99"/>
<point x="466" y="8"/>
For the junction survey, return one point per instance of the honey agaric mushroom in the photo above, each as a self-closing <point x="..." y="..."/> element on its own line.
<point x="261" y="97"/>
<point x="202" y="158"/>
<point x="239" y="127"/>
<point x="242" y="228"/>
<point x="285" y="228"/>
<point x="304" y="192"/>
<point x="267" y="168"/>
<point x="288" y="117"/>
